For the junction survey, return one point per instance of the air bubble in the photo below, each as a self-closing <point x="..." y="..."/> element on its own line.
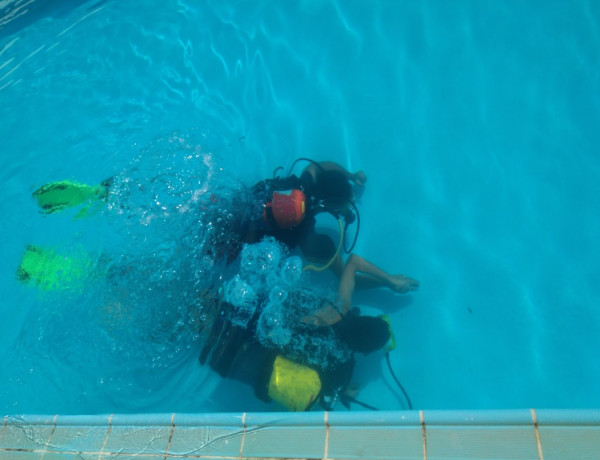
<point x="243" y="297"/>
<point x="291" y="271"/>
<point x="271" y="327"/>
<point x="278" y="295"/>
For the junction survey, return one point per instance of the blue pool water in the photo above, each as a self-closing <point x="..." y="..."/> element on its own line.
<point x="475" y="122"/>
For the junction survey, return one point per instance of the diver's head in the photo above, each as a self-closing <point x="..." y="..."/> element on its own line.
<point x="286" y="209"/>
<point x="363" y="334"/>
<point x="332" y="191"/>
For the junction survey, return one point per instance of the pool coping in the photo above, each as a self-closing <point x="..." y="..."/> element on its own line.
<point x="465" y="434"/>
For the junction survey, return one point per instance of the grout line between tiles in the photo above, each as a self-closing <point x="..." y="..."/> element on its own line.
<point x="170" y="436"/>
<point x="327" y="430"/>
<point x="538" y="440"/>
<point x="107" y="435"/>
<point x="47" y="443"/>
<point x="423" y="433"/>
<point x="243" y="441"/>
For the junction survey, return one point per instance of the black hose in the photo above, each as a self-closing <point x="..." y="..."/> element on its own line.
<point x="348" y="251"/>
<point x="347" y="398"/>
<point x="387" y="358"/>
<point x="277" y="169"/>
<point x="304" y="159"/>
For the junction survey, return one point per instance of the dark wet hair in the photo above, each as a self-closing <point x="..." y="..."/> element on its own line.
<point x="333" y="188"/>
<point x="363" y="334"/>
<point x="317" y="247"/>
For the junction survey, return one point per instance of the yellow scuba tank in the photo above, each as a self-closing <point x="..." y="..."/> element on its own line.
<point x="293" y="385"/>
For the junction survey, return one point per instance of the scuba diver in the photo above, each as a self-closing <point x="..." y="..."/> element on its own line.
<point x="282" y="207"/>
<point x="286" y="208"/>
<point x="296" y="346"/>
<point x="264" y="327"/>
<point x="291" y="204"/>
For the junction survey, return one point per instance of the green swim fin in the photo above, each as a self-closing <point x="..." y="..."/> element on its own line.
<point x="56" y="196"/>
<point x="51" y="271"/>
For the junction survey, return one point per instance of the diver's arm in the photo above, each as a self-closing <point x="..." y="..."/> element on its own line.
<point x="332" y="313"/>
<point x="359" y="177"/>
<point x="357" y="270"/>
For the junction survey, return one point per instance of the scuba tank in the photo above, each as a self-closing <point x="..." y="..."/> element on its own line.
<point x="289" y="199"/>
<point x="235" y="353"/>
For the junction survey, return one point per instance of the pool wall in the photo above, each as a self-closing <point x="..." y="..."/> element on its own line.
<point x="515" y="434"/>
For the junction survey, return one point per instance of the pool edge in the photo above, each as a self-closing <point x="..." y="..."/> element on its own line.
<point x="477" y="434"/>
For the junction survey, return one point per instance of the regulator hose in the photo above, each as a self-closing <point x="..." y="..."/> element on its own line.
<point x="387" y="358"/>
<point x="316" y="163"/>
<point x="348" y="251"/>
<point x="337" y="252"/>
<point x="347" y="399"/>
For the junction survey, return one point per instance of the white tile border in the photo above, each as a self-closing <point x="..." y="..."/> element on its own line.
<point x="285" y="424"/>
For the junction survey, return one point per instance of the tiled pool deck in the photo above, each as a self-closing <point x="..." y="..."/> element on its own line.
<point x="513" y="434"/>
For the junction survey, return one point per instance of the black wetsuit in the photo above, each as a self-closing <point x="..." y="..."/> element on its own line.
<point x="237" y="353"/>
<point x="315" y="247"/>
<point x="236" y="217"/>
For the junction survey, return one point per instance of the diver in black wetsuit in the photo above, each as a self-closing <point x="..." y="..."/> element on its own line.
<point x="321" y="345"/>
<point x="286" y="209"/>
<point x="291" y="204"/>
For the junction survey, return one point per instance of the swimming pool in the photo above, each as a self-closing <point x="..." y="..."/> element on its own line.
<point x="475" y="123"/>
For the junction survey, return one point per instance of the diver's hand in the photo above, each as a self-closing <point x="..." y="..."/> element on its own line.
<point x="325" y="316"/>
<point x="359" y="178"/>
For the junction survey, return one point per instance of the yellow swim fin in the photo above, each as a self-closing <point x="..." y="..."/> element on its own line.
<point x="56" y="196"/>
<point x="51" y="271"/>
